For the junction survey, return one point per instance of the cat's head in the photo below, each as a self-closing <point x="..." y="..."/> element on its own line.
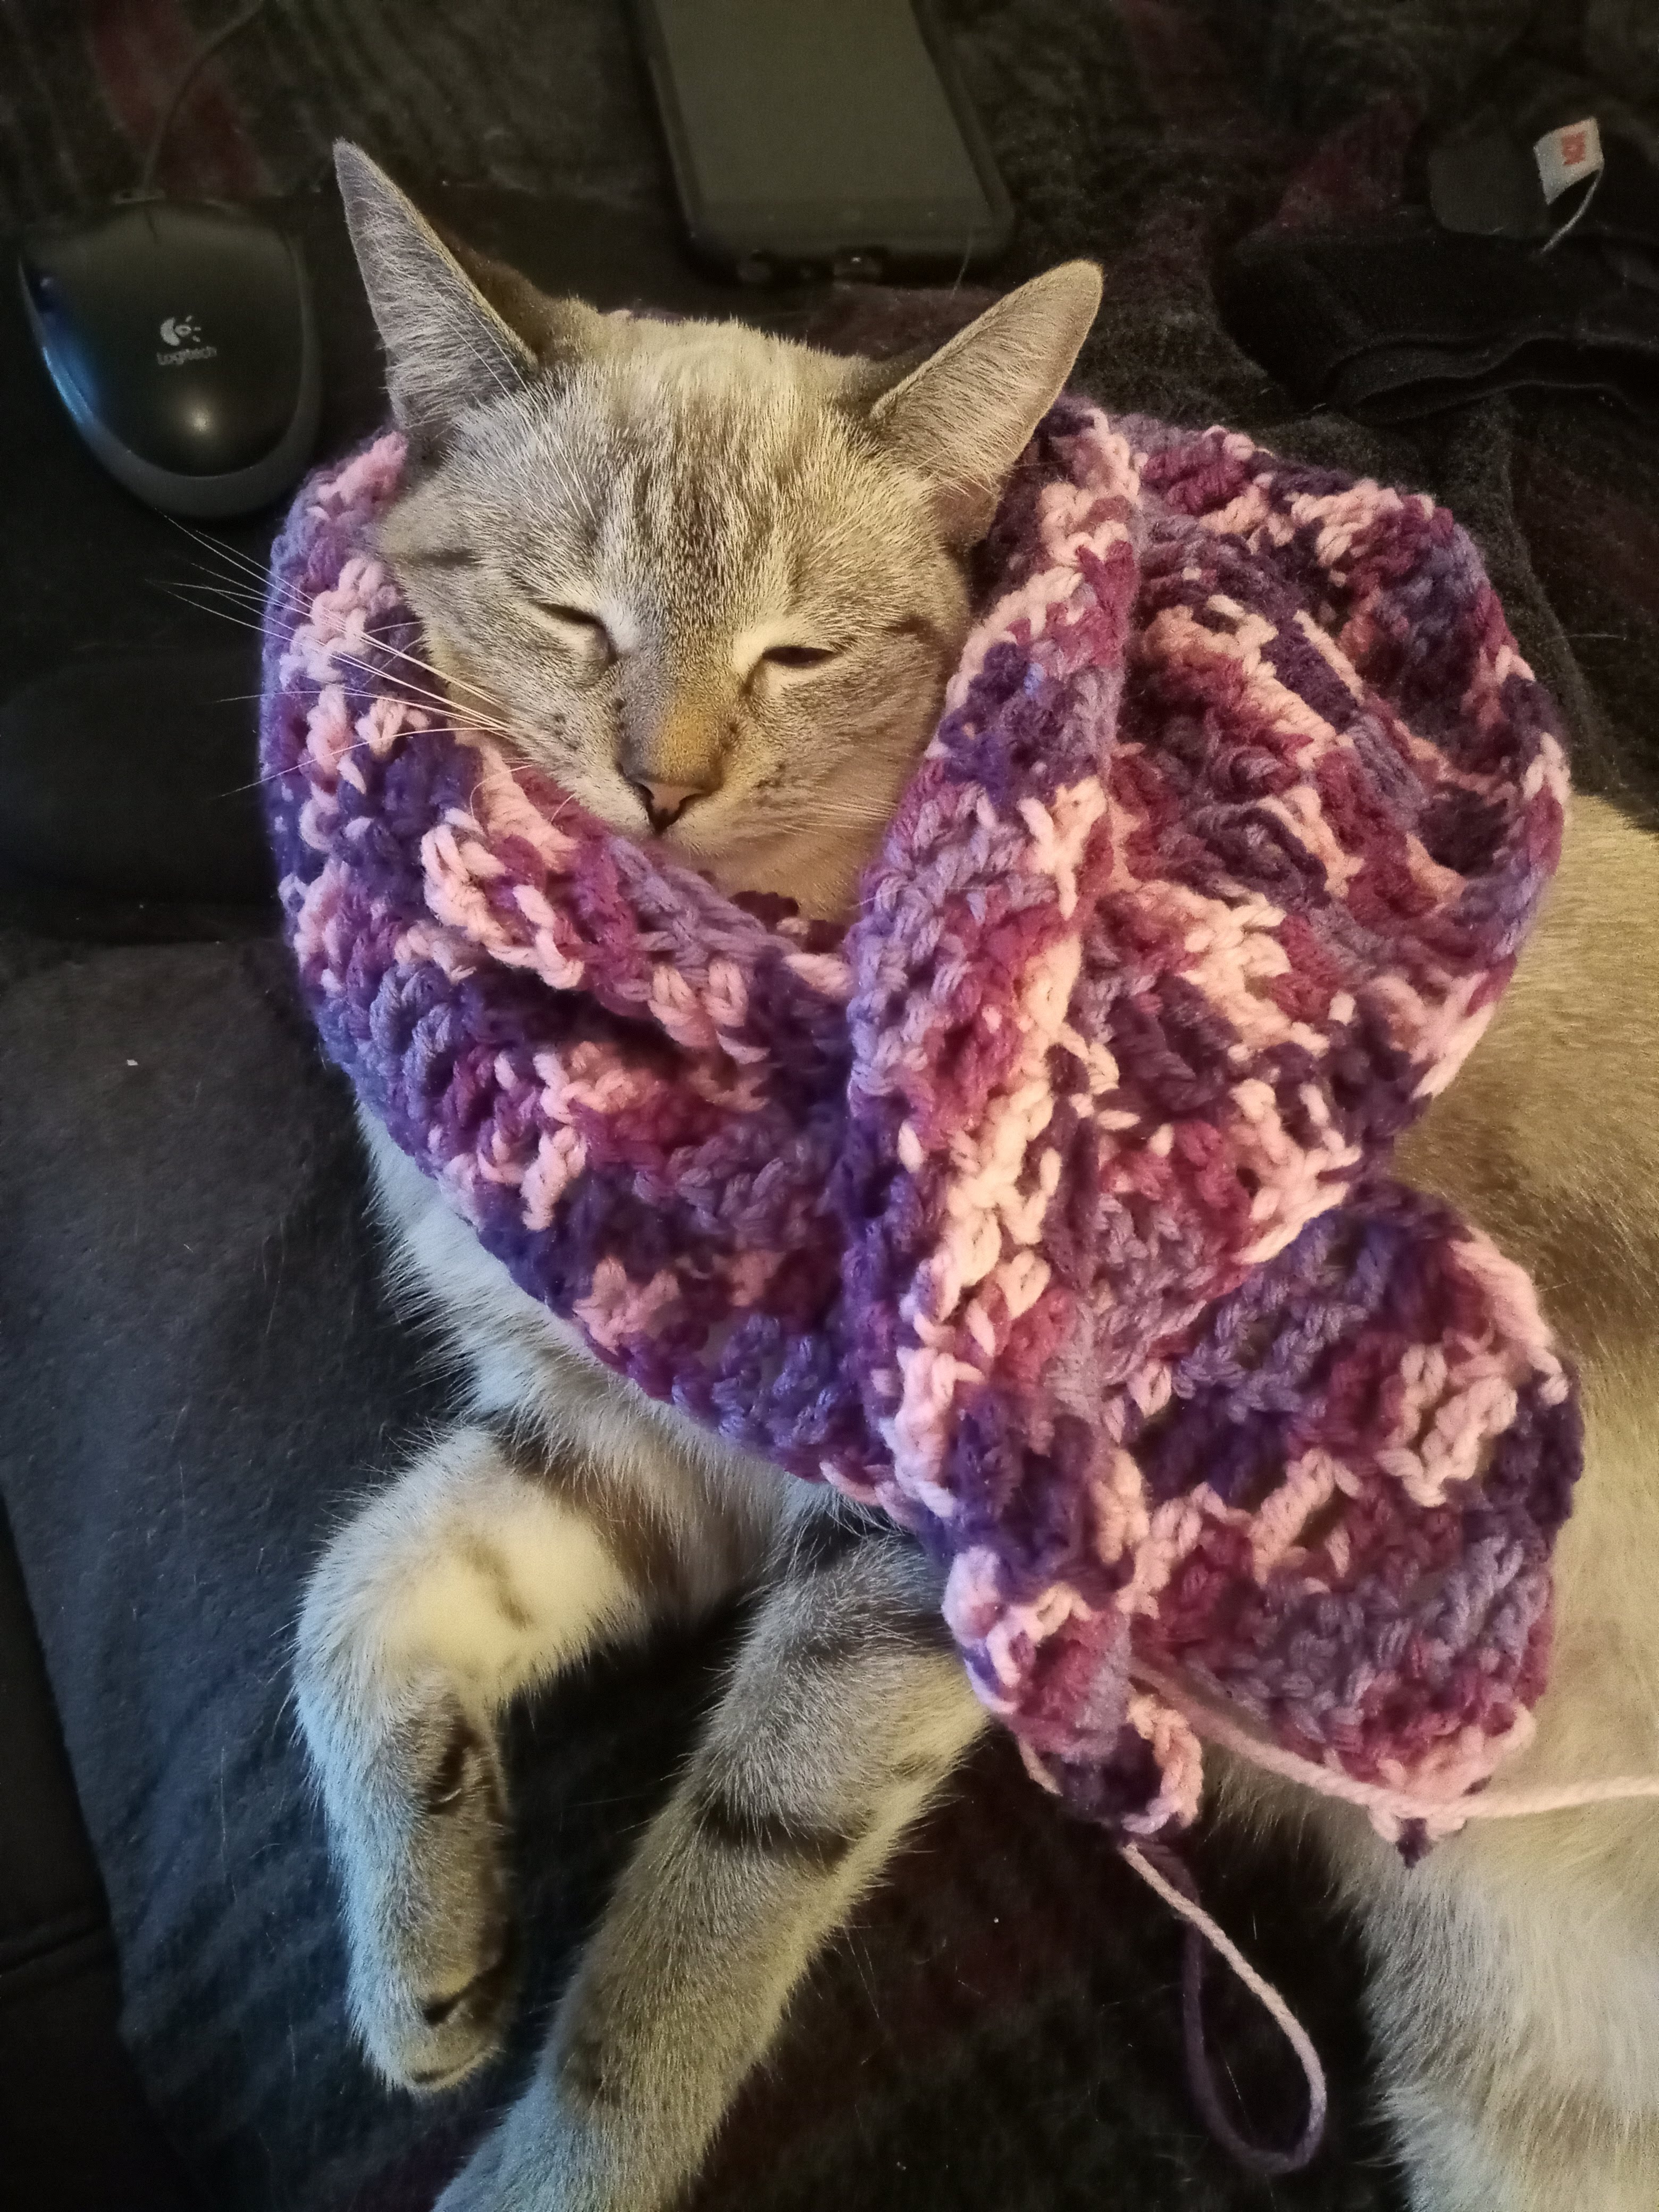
<point x="712" y="581"/>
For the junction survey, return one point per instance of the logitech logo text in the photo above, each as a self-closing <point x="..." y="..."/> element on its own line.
<point x="181" y="335"/>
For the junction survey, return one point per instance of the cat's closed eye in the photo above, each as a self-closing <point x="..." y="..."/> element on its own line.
<point x="576" y="627"/>
<point x="797" y="656"/>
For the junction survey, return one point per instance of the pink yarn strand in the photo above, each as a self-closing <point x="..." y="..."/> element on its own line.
<point x="1201" y="1925"/>
<point x="1390" y="1809"/>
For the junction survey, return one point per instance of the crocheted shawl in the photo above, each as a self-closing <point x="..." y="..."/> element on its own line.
<point x="1045" y="1208"/>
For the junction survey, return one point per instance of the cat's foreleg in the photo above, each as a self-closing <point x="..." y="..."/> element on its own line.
<point x="844" y="1714"/>
<point x="483" y="1568"/>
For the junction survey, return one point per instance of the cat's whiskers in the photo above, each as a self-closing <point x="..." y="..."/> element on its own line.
<point x="463" y="717"/>
<point x="246" y="596"/>
<point x="249" y="580"/>
<point x="808" y="812"/>
<point x="461" y="724"/>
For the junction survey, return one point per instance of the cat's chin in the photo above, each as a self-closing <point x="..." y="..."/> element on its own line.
<point x="819" y="877"/>
<point x="821" y="881"/>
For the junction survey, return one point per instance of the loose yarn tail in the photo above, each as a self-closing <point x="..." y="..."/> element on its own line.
<point x="1170" y="1880"/>
<point x="1395" y="1813"/>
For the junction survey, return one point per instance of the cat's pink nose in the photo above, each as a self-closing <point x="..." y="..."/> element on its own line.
<point x="666" y="802"/>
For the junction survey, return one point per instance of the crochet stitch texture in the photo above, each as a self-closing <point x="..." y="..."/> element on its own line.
<point x="1046" y="1207"/>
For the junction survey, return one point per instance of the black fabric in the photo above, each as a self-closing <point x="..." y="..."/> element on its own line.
<point x="131" y="777"/>
<point x="72" y="2116"/>
<point x="1396" y="320"/>
<point x="1460" y="292"/>
<point x="1483" y="177"/>
<point x="78" y="2133"/>
<point x="194" y="1231"/>
<point x="51" y="1896"/>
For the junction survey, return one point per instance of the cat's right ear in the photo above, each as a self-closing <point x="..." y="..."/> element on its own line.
<point x="961" y="419"/>
<point x="448" y="348"/>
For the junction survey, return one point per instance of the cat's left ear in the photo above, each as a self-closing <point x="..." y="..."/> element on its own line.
<point x="963" y="418"/>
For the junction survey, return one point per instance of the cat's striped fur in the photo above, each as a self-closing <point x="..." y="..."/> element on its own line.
<point x="1517" y="1977"/>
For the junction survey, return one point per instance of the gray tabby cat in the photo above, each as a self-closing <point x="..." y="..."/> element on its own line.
<point x="714" y="583"/>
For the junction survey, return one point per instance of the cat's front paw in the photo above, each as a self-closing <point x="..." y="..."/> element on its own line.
<point x="428" y="1907"/>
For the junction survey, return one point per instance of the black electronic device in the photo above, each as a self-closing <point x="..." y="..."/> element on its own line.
<point x="820" y="138"/>
<point x="180" y="336"/>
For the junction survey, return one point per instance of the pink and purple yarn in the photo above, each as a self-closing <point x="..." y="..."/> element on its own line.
<point x="1046" y="1207"/>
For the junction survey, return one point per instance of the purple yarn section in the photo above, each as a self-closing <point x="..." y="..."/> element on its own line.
<point x="1048" y="1207"/>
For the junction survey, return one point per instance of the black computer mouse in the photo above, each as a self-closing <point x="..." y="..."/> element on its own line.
<point x="181" y="337"/>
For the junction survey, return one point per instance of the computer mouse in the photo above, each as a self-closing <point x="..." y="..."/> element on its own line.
<point x="181" y="337"/>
